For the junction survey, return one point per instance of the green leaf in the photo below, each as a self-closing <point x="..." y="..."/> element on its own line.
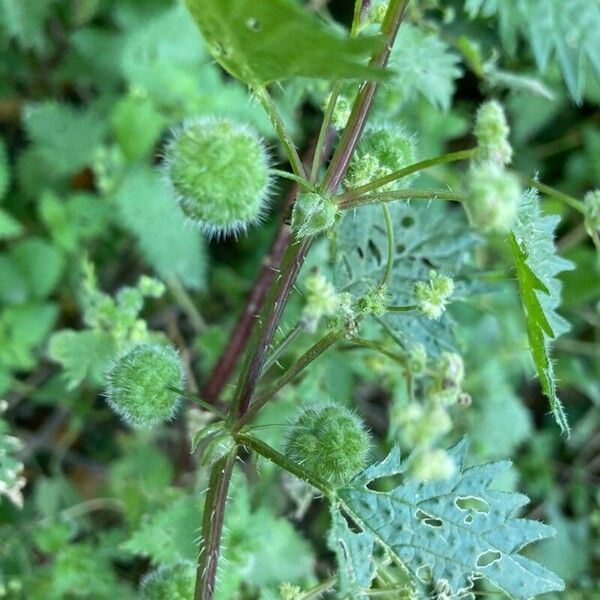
<point x="82" y="354"/>
<point x="424" y="65"/>
<point x="565" y="30"/>
<point x="22" y="329"/>
<point x="448" y="533"/>
<point x="538" y="265"/>
<point x="81" y="133"/>
<point x="260" y="41"/>
<point x="353" y="552"/>
<point x="169" y="244"/>
<point x="11" y="478"/>
<point x="9" y="226"/>
<point x="427" y="237"/>
<point x="24" y="21"/>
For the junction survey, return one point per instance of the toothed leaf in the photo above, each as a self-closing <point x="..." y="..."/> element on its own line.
<point x="448" y="533"/>
<point x="537" y="266"/>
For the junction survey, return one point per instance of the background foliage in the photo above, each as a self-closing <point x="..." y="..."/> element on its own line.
<point x="94" y="256"/>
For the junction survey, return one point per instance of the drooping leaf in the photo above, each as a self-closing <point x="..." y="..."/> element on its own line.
<point x="451" y="532"/>
<point x="426" y="237"/>
<point x="260" y="41"/>
<point x="9" y="226"/>
<point x="169" y="244"/>
<point x="537" y="266"/>
<point x="566" y="30"/>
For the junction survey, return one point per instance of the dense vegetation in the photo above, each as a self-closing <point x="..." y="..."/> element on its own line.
<point x="299" y="299"/>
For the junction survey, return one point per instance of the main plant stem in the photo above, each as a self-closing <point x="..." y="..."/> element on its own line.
<point x="273" y="308"/>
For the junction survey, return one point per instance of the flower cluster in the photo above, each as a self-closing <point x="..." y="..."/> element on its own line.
<point x="493" y="193"/>
<point x="432" y="296"/>
<point x="321" y="301"/>
<point x="313" y="214"/>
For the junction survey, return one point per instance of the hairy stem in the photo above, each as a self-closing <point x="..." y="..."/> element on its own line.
<point x="414" y="194"/>
<point x="284" y="462"/>
<point x="309" y="356"/>
<point x="362" y="106"/>
<point x="281" y="130"/>
<point x="363" y="343"/>
<point x="406" y="171"/>
<point x="303" y="183"/>
<point x="553" y="193"/>
<point x="277" y="298"/>
<point x="290" y="336"/>
<point x="212" y="526"/>
<point x="389" y="228"/>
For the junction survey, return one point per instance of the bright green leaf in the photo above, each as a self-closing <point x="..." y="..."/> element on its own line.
<point x="260" y="41"/>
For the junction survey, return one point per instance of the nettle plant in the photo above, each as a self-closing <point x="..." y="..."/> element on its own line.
<point x="428" y="524"/>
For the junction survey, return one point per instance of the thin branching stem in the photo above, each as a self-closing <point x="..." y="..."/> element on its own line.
<point x="553" y="193"/>
<point x="281" y="130"/>
<point x="389" y="230"/>
<point x="303" y="183"/>
<point x="308" y="357"/>
<point x="289" y="337"/>
<point x="406" y="171"/>
<point x="413" y="194"/>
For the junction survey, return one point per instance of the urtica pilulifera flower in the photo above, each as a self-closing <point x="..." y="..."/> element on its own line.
<point x="382" y="151"/>
<point x="432" y="296"/>
<point x="491" y="130"/>
<point x="219" y="172"/>
<point x="138" y="384"/>
<point x="492" y="197"/>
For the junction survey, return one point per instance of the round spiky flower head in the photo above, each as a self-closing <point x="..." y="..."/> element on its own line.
<point x="382" y="151"/>
<point x="330" y="441"/>
<point x="492" y="197"/>
<point x="138" y="384"/>
<point x="175" y="582"/>
<point x="219" y="171"/>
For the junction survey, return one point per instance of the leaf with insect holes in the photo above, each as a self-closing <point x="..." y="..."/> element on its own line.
<point x="260" y="41"/>
<point x="353" y="553"/>
<point x="537" y="265"/>
<point x="426" y="237"/>
<point x="449" y="533"/>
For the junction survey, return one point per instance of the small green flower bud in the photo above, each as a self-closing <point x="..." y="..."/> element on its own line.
<point x="432" y="465"/>
<point x="150" y="287"/>
<point x="312" y="214"/>
<point x="341" y="112"/>
<point x="418" y="359"/>
<point x="492" y="197"/>
<point x="417" y="426"/>
<point x="432" y="296"/>
<point x="219" y="172"/>
<point x="464" y="400"/>
<point x="321" y="301"/>
<point x="347" y="318"/>
<point x="592" y="214"/>
<point x="138" y="382"/>
<point x="331" y="442"/>
<point x="445" y="386"/>
<point x="491" y="131"/>
<point x="381" y="152"/>
<point x="377" y="11"/>
<point x="287" y="591"/>
<point x="374" y="301"/>
<point x="174" y="582"/>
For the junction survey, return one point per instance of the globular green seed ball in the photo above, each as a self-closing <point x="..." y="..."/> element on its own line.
<point x="175" y="582"/>
<point x="382" y="151"/>
<point x="138" y="382"/>
<point x="331" y="442"/>
<point x="492" y="197"/>
<point x="219" y="171"/>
